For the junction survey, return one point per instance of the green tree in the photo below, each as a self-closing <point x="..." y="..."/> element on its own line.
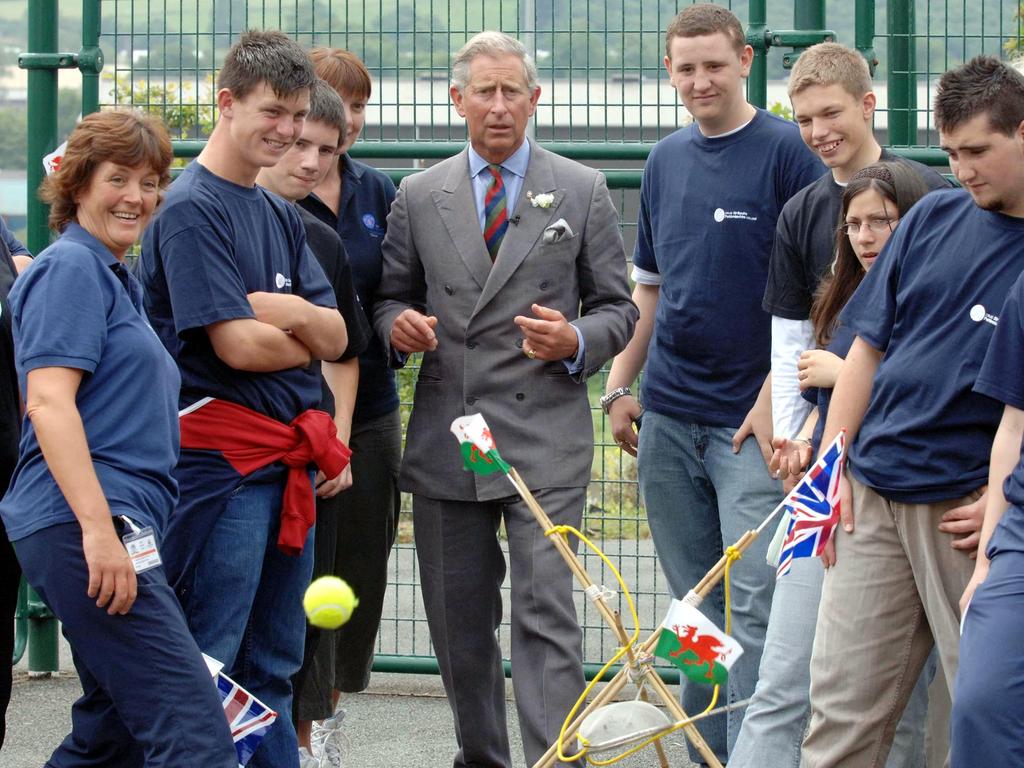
<point x="14" y="147"/>
<point x="179" y="106"/>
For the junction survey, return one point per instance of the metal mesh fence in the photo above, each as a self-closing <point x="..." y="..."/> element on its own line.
<point x="603" y="88"/>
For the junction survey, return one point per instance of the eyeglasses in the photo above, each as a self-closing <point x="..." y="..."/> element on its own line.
<point x="878" y="226"/>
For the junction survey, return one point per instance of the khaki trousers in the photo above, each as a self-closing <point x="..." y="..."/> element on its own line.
<point x="893" y="593"/>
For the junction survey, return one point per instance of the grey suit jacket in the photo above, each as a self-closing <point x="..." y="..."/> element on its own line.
<point x="435" y="261"/>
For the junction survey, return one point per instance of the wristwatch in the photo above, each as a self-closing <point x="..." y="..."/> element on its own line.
<point x="611" y="397"/>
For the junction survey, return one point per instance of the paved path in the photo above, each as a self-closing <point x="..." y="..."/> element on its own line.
<point x="402" y="720"/>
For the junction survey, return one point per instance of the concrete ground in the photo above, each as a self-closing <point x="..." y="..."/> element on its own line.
<point x="402" y="719"/>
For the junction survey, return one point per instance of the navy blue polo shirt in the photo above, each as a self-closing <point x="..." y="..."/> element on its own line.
<point x="77" y="307"/>
<point x="1002" y="378"/>
<point x="366" y="197"/>
<point x="708" y="209"/>
<point x="211" y="244"/>
<point x="13" y="244"/>
<point x="930" y="303"/>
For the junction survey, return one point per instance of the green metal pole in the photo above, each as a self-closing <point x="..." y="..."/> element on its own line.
<point x="809" y="14"/>
<point x="427" y="665"/>
<point x="902" y="81"/>
<point x="42" y="115"/>
<point x="42" y="139"/>
<point x="90" y="59"/>
<point x="757" y="38"/>
<point x="864" y="32"/>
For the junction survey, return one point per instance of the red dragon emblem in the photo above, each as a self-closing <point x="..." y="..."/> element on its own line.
<point x="706" y="648"/>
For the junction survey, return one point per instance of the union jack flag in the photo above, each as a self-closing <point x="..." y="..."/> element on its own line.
<point x="248" y="717"/>
<point x="813" y="507"/>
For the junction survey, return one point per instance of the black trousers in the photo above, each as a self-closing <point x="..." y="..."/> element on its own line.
<point x="10" y="577"/>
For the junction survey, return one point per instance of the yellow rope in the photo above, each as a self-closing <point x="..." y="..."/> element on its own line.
<point x="562" y="530"/>
<point x="662" y="734"/>
<point x="732" y="554"/>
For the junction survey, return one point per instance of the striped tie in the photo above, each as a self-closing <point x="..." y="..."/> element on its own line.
<point x="495" y="215"/>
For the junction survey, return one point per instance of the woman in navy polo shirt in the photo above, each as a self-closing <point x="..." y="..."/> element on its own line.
<point x="355" y="199"/>
<point x="92" y="489"/>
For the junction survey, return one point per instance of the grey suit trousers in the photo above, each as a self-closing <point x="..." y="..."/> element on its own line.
<point x="462" y="568"/>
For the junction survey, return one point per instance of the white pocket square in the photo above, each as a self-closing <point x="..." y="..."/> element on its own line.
<point x="558" y="231"/>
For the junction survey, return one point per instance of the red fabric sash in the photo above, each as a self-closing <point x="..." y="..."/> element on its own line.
<point x="249" y="440"/>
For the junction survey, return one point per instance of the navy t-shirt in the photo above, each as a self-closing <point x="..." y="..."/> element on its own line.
<point x="1002" y="378"/>
<point x="212" y="243"/>
<point x="326" y="245"/>
<point x="77" y="307"/>
<point x="842" y="340"/>
<point x="930" y="303"/>
<point x="805" y="241"/>
<point x="366" y="197"/>
<point x="708" y="209"/>
<point x="14" y="245"/>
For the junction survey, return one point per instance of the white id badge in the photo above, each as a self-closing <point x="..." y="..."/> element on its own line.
<point x="141" y="546"/>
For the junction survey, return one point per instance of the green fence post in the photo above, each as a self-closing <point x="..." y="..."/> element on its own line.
<point x="42" y="114"/>
<point x="757" y="38"/>
<point x="864" y="32"/>
<point x="90" y="58"/>
<point x="43" y="651"/>
<point x="42" y="139"/>
<point x="902" y="80"/>
<point x="21" y="622"/>
<point x="809" y="14"/>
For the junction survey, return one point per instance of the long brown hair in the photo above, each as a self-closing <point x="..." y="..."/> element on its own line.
<point x="901" y="186"/>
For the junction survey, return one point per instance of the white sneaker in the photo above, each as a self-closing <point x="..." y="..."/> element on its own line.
<point x="306" y="760"/>
<point x="328" y="739"/>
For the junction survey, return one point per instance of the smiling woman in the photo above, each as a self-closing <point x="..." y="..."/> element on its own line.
<point x="92" y="489"/>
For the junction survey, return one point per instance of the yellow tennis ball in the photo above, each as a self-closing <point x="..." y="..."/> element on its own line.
<point x="329" y="602"/>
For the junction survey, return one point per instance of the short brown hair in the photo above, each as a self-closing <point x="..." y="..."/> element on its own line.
<point x="705" y="19"/>
<point x="983" y="86"/>
<point x="326" y="106"/>
<point x="831" y="64"/>
<point x="126" y="138"/>
<point x="265" y="56"/>
<point x="343" y="70"/>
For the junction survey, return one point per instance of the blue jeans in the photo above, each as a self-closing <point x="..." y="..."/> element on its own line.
<point x="778" y="716"/>
<point x="988" y="700"/>
<point x="700" y="498"/>
<point x="245" y="609"/>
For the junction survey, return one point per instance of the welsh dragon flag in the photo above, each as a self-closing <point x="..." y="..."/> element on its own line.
<point x="692" y="642"/>
<point x="479" y="453"/>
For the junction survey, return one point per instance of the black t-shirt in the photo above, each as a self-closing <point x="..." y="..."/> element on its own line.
<point x="326" y="245"/>
<point x="805" y="240"/>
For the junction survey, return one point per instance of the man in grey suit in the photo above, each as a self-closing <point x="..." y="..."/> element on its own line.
<point x="503" y="265"/>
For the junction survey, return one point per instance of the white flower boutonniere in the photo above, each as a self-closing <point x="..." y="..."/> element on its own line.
<point x="543" y="200"/>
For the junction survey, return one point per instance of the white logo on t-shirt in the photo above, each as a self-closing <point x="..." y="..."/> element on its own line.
<point x="721" y="215"/>
<point x="282" y="282"/>
<point x="978" y="314"/>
